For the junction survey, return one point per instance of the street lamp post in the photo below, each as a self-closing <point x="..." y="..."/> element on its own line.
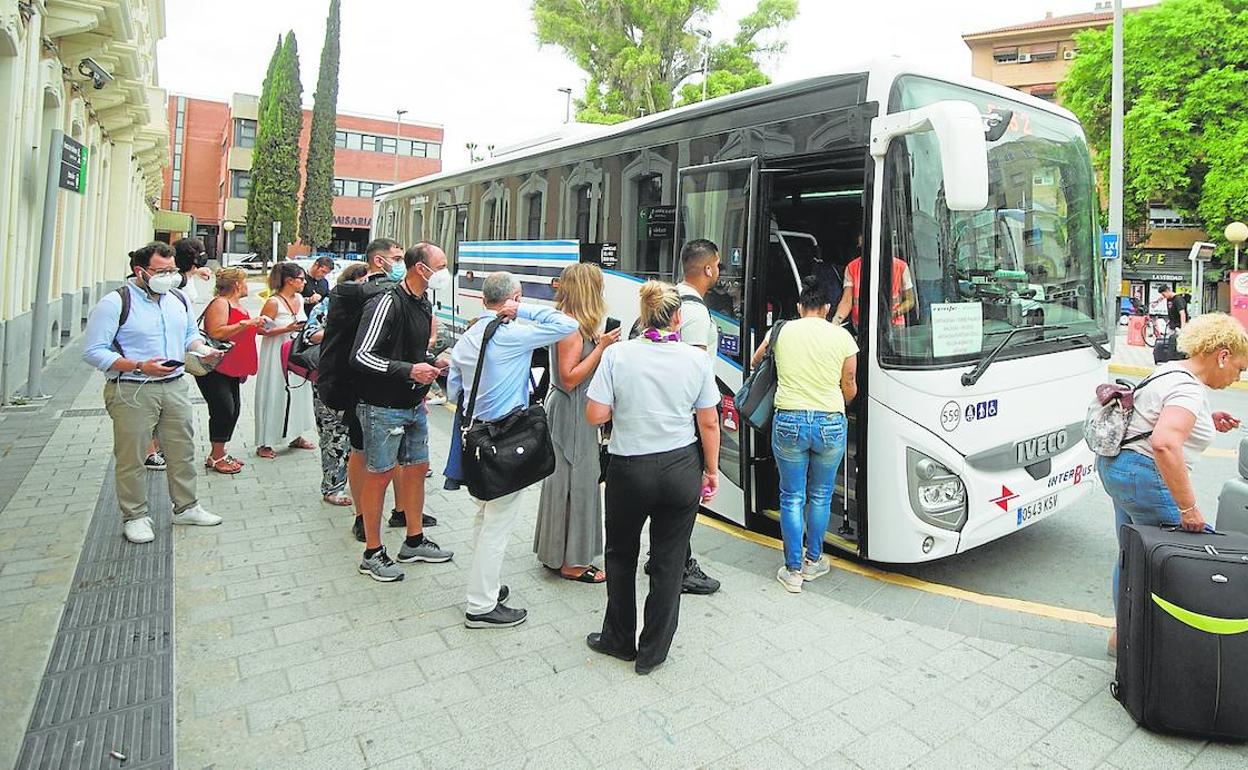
<point x="228" y="227"/>
<point x="1236" y="233"/>
<point x="567" y="105"/>
<point x="398" y="132"/>
<point x="1113" y="274"/>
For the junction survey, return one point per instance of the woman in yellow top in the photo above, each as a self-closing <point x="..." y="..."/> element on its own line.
<point x="808" y="430"/>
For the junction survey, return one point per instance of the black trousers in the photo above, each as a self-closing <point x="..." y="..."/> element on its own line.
<point x="664" y="487"/>
<point x="220" y="391"/>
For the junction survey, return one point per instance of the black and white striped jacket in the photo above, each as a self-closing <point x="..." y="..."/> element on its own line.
<point x="393" y="336"/>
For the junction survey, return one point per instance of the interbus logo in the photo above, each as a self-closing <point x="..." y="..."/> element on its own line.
<point x="1038" y="448"/>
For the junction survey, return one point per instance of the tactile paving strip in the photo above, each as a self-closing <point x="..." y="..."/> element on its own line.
<point x="108" y="688"/>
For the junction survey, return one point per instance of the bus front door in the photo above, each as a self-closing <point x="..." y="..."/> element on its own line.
<point x="716" y="202"/>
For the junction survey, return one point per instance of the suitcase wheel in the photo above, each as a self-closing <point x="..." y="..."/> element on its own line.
<point x="1113" y="689"/>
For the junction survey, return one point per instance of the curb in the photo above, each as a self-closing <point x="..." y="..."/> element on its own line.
<point x="1144" y="371"/>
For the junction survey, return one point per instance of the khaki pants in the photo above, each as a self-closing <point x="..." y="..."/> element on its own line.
<point x="138" y="409"/>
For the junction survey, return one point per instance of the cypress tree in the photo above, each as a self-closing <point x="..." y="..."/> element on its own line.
<point x="316" y="217"/>
<point x="275" y="163"/>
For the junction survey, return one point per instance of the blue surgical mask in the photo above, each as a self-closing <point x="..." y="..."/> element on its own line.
<point x="397" y="271"/>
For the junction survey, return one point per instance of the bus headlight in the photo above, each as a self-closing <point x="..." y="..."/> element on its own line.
<point x="937" y="495"/>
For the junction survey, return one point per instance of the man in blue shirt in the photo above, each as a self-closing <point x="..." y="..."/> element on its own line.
<point x="504" y="388"/>
<point x="142" y="393"/>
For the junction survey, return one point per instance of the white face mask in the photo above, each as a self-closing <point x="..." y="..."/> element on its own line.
<point x="161" y="283"/>
<point x="440" y="280"/>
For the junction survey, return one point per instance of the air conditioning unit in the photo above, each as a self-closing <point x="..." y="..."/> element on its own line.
<point x="1023" y="58"/>
<point x="1068" y="54"/>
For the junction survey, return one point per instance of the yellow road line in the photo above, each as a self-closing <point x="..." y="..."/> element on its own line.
<point x="1143" y="371"/>
<point x="905" y="581"/>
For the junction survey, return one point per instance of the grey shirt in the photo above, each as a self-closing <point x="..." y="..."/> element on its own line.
<point x="653" y="389"/>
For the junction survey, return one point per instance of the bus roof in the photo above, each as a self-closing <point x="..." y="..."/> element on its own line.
<point x="879" y="70"/>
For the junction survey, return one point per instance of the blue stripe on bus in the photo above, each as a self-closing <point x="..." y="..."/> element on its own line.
<point x="470" y="244"/>
<point x="494" y="256"/>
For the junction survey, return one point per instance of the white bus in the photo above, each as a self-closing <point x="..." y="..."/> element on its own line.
<point x="968" y="420"/>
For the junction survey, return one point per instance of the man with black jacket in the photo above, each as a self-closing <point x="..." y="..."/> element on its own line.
<point x="393" y="372"/>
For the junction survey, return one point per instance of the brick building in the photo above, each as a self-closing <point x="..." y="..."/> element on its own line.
<point x="209" y="171"/>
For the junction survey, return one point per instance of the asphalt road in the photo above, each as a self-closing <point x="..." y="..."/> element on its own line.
<point x="1065" y="560"/>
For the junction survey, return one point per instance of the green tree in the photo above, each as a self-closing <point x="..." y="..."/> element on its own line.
<point x="275" y="162"/>
<point x="1185" y="74"/>
<point x="637" y="53"/>
<point x="316" y="215"/>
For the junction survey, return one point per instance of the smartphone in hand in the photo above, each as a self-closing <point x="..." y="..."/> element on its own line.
<point x="171" y="363"/>
<point x="612" y="324"/>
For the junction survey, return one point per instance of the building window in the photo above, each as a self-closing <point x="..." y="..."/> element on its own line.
<point x="353" y="141"/>
<point x="244" y="133"/>
<point x="433" y="150"/>
<point x="340" y="139"/>
<point x="351" y="188"/>
<point x="236" y="240"/>
<point x="338" y="188"/>
<point x="388" y="145"/>
<point x="1005" y="55"/>
<point x="368" y="143"/>
<point x="582" y="195"/>
<point x="240" y="184"/>
<point x="533" y="216"/>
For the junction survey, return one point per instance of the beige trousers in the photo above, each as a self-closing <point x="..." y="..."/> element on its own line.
<point x="137" y="410"/>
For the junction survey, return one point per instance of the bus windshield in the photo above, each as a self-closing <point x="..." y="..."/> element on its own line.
<point x="963" y="280"/>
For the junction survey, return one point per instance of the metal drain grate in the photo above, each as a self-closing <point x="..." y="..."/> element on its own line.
<point x="85" y="413"/>
<point x="109" y="682"/>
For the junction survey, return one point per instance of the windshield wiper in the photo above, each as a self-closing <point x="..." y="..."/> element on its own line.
<point x="972" y="377"/>
<point x="1102" y="352"/>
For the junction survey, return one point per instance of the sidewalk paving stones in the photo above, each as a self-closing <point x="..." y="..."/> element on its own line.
<point x="286" y="657"/>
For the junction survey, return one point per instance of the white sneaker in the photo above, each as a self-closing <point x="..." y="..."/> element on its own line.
<point x="139" y="530"/>
<point x="814" y="569"/>
<point x="437" y="400"/>
<point x="197" y="516"/>
<point x="791" y="579"/>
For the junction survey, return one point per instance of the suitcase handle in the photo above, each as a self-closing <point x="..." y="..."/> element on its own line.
<point x="1209" y="530"/>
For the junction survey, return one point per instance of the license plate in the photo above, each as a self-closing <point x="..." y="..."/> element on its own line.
<point x="1036" y="510"/>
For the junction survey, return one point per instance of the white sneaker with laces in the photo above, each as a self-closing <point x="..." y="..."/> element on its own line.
<point x="197" y="516"/>
<point x="139" y="530"/>
<point x="814" y="569"/>
<point x="791" y="579"/>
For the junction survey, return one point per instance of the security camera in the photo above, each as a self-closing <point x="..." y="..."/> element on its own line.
<point x="90" y="68"/>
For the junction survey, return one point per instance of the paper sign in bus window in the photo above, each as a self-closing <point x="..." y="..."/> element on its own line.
<point x="957" y="328"/>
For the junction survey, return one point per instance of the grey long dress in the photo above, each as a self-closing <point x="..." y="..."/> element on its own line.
<point x="569" y="515"/>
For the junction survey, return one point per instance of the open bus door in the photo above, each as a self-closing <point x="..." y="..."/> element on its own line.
<point x="786" y="253"/>
<point x="716" y="201"/>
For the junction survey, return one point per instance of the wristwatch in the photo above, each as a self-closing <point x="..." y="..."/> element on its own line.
<point x="138" y="368"/>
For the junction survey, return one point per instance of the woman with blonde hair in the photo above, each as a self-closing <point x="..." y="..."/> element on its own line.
<point x="225" y="320"/>
<point x="283" y="403"/>
<point x="1150" y="480"/>
<point x="569" y="515"/>
<point x="651" y="388"/>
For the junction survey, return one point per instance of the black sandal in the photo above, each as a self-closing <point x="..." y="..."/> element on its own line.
<point x="589" y="575"/>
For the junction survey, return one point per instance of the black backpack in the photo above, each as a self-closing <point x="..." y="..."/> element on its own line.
<point x="335" y="379"/>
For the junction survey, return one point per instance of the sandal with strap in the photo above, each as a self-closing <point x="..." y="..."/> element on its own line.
<point x="226" y="465"/>
<point x="266" y="452"/>
<point x="590" y="574"/>
<point x="338" y="498"/>
<point x="301" y="443"/>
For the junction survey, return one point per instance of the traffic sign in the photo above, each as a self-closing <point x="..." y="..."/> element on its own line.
<point x="73" y="166"/>
<point x="1109" y="246"/>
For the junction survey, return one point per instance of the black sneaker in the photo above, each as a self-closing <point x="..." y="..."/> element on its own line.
<point x="399" y="519"/>
<point x="501" y="616"/>
<point x="155" y="461"/>
<point x="357" y="529"/>
<point x="696" y="581"/>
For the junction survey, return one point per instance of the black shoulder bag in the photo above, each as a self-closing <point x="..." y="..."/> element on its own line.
<point x="508" y="454"/>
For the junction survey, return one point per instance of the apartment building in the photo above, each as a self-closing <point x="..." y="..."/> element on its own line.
<point x="209" y="171"/>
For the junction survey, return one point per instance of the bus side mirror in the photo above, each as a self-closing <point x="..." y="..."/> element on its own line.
<point x="959" y="130"/>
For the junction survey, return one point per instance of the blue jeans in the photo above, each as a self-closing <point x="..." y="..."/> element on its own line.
<point x="808" y="447"/>
<point x="393" y="436"/>
<point x="1139" y="494"/>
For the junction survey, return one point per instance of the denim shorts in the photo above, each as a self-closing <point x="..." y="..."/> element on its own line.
<point x="393" y="436"/>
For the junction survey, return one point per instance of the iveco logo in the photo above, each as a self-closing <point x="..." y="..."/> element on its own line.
<point x="1037" y="448"/>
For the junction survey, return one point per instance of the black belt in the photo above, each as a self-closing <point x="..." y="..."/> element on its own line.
<point x="149" y="381"/>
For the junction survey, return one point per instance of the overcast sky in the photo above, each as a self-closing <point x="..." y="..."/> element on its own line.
<point x="474" y="66"/>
